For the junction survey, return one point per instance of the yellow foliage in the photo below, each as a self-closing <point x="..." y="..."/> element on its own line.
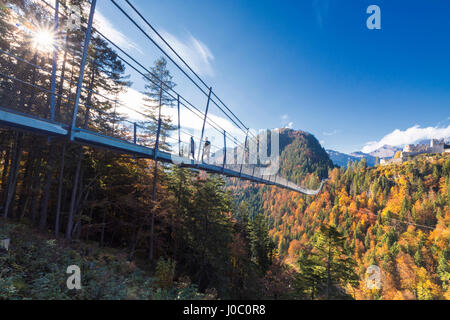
<point x="425" y="288"/>
<point x="294" y="248"/>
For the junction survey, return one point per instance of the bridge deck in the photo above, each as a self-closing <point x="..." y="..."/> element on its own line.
<point x="17" y="120"/>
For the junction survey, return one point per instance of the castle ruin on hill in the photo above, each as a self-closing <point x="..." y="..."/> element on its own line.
<point x="411" y="150"/>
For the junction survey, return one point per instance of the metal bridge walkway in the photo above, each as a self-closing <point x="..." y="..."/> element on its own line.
<point x="13" y="119"/>
<point x="13" y="84"/>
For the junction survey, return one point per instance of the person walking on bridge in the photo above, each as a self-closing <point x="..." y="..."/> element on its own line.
<point x="192" y="151"/>
<point x="206" y="149"/>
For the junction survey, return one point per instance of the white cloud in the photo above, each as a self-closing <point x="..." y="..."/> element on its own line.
<point x="285" y="123"/>
<point x="102" y="24"/>
<point x="132" y="100"/>
<point x="196" y="54"/>
<point x="408" y="136"/>
<point x="332" y="133"/>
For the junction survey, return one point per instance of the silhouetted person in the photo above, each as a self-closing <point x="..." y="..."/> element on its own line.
<point x="192" y="148"/>
<point x="206" y="149"/>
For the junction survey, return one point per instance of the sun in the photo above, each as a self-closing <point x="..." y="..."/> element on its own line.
<point x="44" y="40"/>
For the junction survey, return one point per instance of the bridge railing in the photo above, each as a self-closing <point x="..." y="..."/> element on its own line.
<point x="49" y="84"/>
<point x="49" y="80"/>
<point x="89" y="78"/>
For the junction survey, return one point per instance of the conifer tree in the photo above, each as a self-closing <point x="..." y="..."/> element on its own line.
<point x="158" y="96"/>
<point x="340" y="266"/>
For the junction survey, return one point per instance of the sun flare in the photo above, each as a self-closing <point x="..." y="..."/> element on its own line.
<point x="44" y="40"/>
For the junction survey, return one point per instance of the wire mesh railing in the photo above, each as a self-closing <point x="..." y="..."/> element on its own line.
<point x="78" y="75"/>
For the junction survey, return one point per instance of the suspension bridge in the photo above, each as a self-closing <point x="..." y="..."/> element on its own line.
<point x="129" y="134"/>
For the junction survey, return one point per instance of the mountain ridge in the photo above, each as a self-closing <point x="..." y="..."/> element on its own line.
<point x="341" y="159"/>
<point x="301" y="155"/>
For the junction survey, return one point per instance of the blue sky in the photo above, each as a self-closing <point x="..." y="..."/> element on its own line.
<point x="311" y="64"/>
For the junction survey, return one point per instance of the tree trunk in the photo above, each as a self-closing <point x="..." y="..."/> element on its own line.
<point x="78" y="208"/>
<point x="35" y="190"/>
<point x="327" y="294"/>
<point x="175" y="223"/>
<point x="134" y="241"/>
<point x="26" y="183"/>
<point x="152" y="221"/>
<point x="61" y="83"/>
<point x="5" y="173"/>
<point x="91" y="214"/>
<point x="33" y="81"/>
<point x="80" y="155"/>
<point x="102" y="236"/>
<point x="313" y="293"/>
<point x="73" y="197"/>
<point x="5" y="146"/>
<point x="47" y="185"/>
<point x="13" y="172"/>
<point x="60" y="185"/>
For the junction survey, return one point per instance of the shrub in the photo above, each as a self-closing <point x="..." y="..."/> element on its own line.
<point x="165" y="272"/>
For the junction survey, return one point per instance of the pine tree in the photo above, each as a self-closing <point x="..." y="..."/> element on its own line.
<point x="339" y="265"/>
<point x="260" y="243"/>
<point x="158" y="95"/>
<point x="443" y="269"/>
<point x="312" y="275"/>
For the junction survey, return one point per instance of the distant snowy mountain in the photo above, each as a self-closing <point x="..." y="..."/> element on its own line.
<point x="385" y="151"/>
<point x="339" y="159"/>
<point x="342" y="159"/>
<point x="369" y="158"/>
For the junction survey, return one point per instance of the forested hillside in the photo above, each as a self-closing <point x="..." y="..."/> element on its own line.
<point x="139" y="229"/>
<point x="302" y="158"/>
<point x="394" y="217"/>
<point x="77" y="195"/>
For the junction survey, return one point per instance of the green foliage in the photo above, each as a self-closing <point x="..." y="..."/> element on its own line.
<point x="158" y="83"/>
<point x="443" y="268"/>
<point x="311" y="278"/>
<point x="261" y="246"/>
<point x="35" y="268"/>
<point x="327" y="267"/>
<point x="302" y="154"/>
<point x="403" y="210"/>
<point x="165" y="272"/>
